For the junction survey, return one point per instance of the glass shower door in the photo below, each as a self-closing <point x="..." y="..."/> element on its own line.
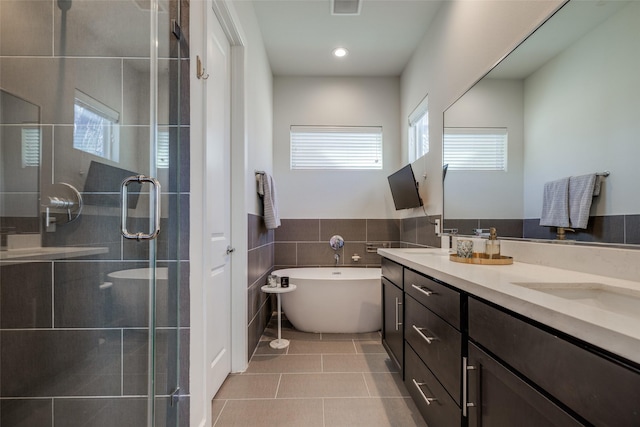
<point x="90" y="322"/>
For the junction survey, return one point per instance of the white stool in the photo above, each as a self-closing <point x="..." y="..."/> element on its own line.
<point x="279" y="343"/>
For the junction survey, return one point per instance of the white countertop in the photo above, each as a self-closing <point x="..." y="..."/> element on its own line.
<point x="50" y="253"/>
<point x="615" y="332"/>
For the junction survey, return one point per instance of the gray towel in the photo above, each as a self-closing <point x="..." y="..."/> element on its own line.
<point x="267" y="189"/>
<point x="581" y="189"/>
<point x="555" y="204"/>
<point x="598" y="185"/>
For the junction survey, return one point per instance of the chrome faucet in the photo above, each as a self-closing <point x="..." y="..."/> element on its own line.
<point x="337" y="258"/>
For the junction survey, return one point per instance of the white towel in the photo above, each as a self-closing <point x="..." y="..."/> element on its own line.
<point x="581" y="190"/>
<point x="555" y="204"/>
<point x="267" y="189"/>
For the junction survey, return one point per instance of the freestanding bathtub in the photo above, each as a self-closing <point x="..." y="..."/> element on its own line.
<point x="333" y="300"/>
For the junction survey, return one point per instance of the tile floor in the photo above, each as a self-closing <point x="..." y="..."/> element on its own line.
<point x="323" y="380"/>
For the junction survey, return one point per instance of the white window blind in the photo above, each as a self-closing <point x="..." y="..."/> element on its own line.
<point x="340" y="147"/>
<point x="482" y="149"/>
<point x="162" y="153"/>
<point x="30" y="147"/>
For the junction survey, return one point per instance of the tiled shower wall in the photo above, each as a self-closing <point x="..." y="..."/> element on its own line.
<point x="72" y="352"/>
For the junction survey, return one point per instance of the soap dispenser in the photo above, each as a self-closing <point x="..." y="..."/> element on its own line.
<point x="492" y="247"/>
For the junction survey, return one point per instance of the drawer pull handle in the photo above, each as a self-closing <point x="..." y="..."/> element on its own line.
<point x="398" y="323"/>
<point x="465" y="387"/>
<point x="424" y="290"/>
<point x="418" y="385"/>
<point x="429" y="340"/>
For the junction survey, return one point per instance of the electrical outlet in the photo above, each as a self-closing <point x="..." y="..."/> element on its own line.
<point x="438" y="226"/>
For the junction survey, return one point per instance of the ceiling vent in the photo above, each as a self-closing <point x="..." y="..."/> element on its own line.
<point x="345" y="7"/>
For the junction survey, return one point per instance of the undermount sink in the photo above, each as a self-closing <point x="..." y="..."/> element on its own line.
<point x="618" y="300"/>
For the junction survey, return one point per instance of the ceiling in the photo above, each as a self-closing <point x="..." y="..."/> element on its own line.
<point x="299" y="36"/>
<point x="563" y="29"/>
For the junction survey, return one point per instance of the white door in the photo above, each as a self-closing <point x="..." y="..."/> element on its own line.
<point x="217" y="206"/>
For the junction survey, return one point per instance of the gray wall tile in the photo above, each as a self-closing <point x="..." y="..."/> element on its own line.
<point x="298" y="230"/>
<point x="25" y="295"/>
<point x="383" y="230"/>
<point x="317" y="253"/>
<point x="409" y="230"/>
<point x="116" y="412"/>
<point x="632" y="227"/>
<point x="26" y="27"/>
<point x="60" y="363"/>
<point x="349" y="229"/>
<point x="26" y="413"/>
<point x="286" y="254"/>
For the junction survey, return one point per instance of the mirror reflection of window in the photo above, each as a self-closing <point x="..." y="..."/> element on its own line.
<point x="162" y="153"/>
<point x="477" y="149"/>
<point x="96" y="127"/>
<point x="419" y="131"/>
<point x="30" y="146"/>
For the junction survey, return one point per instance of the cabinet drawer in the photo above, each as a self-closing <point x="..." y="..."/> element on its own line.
<point x="392" y="271"/>
<point x="437" y="343"/>
<point x="497" y="397"/>
<point x="601" y="390"/>
<point x="440" y="299"/>
<point x="434" y="403"/>
<point x="392" y="319"/>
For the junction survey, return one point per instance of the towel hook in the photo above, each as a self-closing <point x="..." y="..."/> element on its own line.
<point x="200" y="71"/>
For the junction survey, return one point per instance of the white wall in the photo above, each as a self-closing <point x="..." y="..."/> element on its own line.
<point x="347" y="101"/>
<point x="464" y="41"/>
<point x="491" y="194"/>
<point x="258" y="104"/>
<point x="582" y="116"/>
<point x="251" y="136"/>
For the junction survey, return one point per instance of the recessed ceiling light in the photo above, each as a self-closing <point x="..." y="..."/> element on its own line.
<point x="340" y="52"/>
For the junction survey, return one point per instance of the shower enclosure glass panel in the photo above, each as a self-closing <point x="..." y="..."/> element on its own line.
<point x="91" y="330"/>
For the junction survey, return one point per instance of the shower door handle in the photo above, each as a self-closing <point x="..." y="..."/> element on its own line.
<point x="155" y="211"/>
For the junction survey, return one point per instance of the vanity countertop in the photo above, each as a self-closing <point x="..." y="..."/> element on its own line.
<point x="50" y="253"/>
<point x="616" y="332"/>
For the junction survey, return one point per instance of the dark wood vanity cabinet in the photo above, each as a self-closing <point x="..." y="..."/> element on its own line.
<point x="470" y="363"/>
<point x="393" y="311"/>
<point x="434" y="346"/>
<point x="601" y="389"/>
<point x="497" y="397"/>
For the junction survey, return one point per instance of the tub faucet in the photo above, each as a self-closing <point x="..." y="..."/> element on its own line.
<point x="337" y="258"/>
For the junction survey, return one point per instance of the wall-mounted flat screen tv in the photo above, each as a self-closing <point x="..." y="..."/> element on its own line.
<point x="102" y="186"/>
<point x="404" y="189"/>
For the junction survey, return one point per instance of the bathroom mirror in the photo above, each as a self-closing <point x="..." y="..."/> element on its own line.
<point x="569" y="100"/>
<point x="19" y="164"/>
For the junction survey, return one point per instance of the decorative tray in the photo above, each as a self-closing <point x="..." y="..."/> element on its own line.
<point x="482" y="259"/>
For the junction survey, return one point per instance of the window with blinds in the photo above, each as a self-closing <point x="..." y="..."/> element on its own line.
<point x="478" y="149"/>
<point x="336" y="147"/>
<point x="418" y="138"/>
<point x="30" y="146"/>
